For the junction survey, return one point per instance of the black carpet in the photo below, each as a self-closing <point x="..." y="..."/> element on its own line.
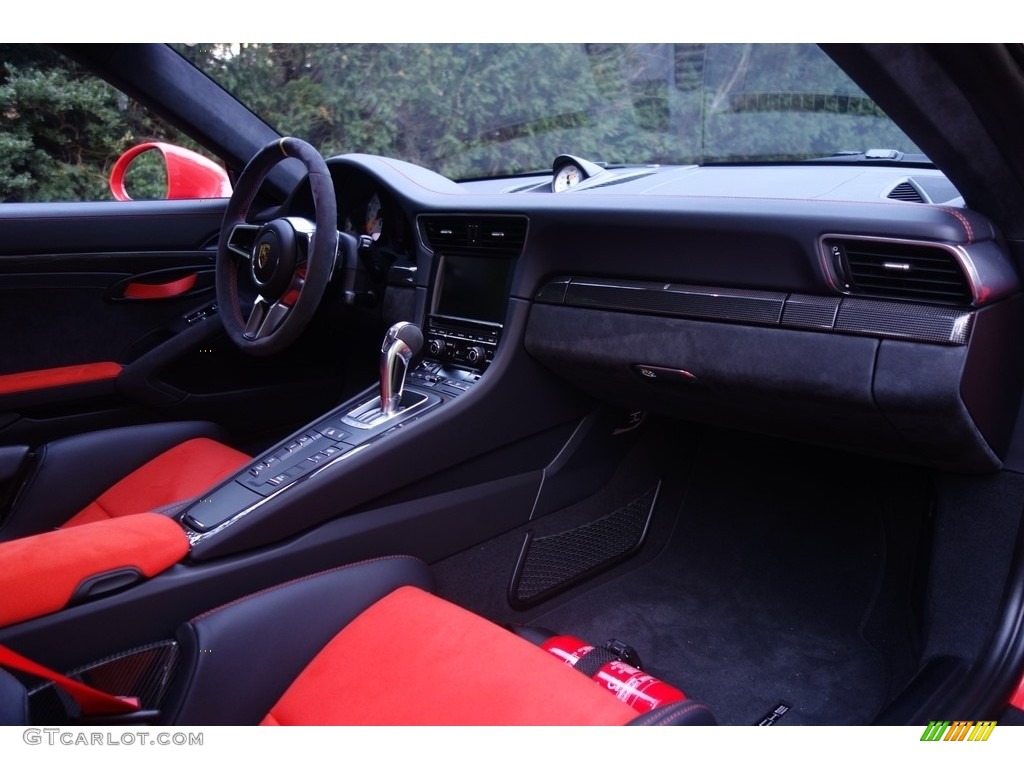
<point x="768" y="578"/>
<point x="760" y="595"/>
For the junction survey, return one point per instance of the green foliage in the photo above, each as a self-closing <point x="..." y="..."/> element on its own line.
<point x="470" y="110"/>
<point x="54" y="135"/>
<point x="781" y="102"/>
<point x="146" y="177"/>
<point x="464" y="110"/>
<point x="61" y="129"/>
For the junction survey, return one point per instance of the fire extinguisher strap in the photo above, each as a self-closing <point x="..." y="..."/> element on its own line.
<point x="625" y="652"/>
<point x="594" y="660"/>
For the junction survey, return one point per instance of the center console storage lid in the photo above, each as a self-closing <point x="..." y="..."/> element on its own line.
<point x="45" y="573"/>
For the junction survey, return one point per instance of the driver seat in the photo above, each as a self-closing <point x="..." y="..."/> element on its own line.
<point x="113" y="473"/>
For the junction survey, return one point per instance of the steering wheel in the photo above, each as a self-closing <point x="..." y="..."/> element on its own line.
<point x="288" y="260"/>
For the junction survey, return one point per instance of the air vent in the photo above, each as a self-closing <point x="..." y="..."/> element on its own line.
<point x="907" y="192"/>
<point x="898" y="270"/>
<point x="475" y="235"/>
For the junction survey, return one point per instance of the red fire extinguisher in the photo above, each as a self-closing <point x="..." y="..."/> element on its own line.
<point x="629" y="684"/>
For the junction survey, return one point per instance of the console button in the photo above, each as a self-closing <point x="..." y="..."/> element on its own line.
<point x="255" y="483"/>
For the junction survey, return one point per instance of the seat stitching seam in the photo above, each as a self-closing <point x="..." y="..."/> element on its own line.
<point x="296" y="581"/>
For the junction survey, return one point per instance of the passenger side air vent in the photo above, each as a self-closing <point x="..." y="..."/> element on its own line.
<point x="907" y="192"/>
<point x="898" y="270"/>
<point x="474" y="235"/>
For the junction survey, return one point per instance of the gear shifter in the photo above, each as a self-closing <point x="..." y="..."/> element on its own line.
<point x="402" y="341"/>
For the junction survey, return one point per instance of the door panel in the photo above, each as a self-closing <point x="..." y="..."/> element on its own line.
<point x="74" y="312"/>
<point x="124" y="227"/>
<point x="105" y="284"/>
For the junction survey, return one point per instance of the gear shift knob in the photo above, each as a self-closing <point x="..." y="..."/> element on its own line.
<point x="402" y="341"/>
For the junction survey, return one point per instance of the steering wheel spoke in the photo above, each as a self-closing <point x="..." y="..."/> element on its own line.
<point x="242" y="239"/>
<point x="295" y="289"/>
<point x="265" y="318"/>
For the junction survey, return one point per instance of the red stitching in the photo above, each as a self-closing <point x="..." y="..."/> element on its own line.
<point x="680" y="714"/>
<point x="963" y="220"/>
<point x="296" y="581"/>
<point x="684" y="709"/>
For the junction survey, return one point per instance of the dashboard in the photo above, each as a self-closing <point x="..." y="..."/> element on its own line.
<point x="863" y="308"/>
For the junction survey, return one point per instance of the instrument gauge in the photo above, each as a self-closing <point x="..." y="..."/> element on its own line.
<point x="569" y="175"/>
<point x="374" y="224"/>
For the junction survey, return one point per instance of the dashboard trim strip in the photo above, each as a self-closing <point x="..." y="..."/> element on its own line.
<point x="831" y="314"/>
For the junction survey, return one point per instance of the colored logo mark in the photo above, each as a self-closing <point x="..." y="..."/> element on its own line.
<point x="958" y="730"/>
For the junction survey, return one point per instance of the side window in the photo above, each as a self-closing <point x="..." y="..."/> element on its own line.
<point x="66" y="135"/>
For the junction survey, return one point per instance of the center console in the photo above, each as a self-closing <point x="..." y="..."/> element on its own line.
<point x="463" y="328"/>
<point x="465" y="321"/>
<point x="338" y="437"/>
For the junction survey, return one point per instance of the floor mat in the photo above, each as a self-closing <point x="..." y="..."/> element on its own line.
<point x="759" y="596"/>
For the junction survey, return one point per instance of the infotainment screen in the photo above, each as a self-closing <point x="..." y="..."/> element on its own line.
<point x="474" y="288"/>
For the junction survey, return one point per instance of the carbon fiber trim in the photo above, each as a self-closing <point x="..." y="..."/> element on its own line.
<point x="896" y="320"/>
<point x="810" y="312"/>
<point x="553" y="292"/>
<point x="879" y="318"/>
<point x="730" y="304"/>
<point x="144" y="673"/>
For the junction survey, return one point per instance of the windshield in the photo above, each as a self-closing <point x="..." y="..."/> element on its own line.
<point x="486" y="110"/>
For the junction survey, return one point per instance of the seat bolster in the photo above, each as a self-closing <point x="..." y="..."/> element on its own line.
<point x="13" y="701"/>
<point x="237" y="660"/>
<point x="73" y="471"/>
<point x="415" y="659"/>
<point x="45" y="573"/>
<point x="679" y="713"/>
<point x="178" y="474"/>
